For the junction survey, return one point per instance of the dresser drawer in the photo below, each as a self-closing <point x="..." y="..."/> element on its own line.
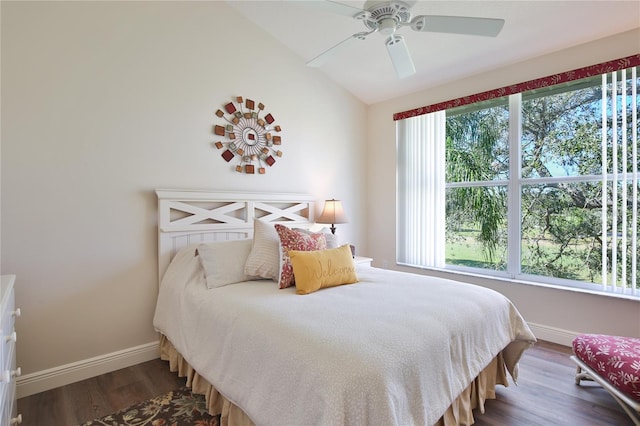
<point x="9" y="358"/>
<point x="8" y="337"/>
<point x="7" y="406"/>
<point x="10" y="405"/>
<point x="4" y="398"/>
<point x="8" y="401"/>
<point x="7" y="321"/>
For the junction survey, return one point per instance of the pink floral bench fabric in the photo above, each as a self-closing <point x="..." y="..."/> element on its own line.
<point x="616" y="359"/>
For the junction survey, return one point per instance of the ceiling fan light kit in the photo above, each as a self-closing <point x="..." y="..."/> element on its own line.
<point x="386" y="17"/>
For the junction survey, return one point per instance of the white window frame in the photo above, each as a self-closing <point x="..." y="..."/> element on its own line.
<point x="514" y="185"/>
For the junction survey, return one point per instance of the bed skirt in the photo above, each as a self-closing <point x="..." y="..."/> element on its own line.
<point x="460" y="412"/>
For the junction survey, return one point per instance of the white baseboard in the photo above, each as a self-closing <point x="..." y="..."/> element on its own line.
<point x="553" y="334"/>
<point x="41" y="381"/>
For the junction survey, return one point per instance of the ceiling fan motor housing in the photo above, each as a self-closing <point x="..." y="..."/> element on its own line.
<point x="386" y="16"/>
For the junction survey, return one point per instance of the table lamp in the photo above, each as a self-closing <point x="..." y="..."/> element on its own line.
<point x="332" y="213"/>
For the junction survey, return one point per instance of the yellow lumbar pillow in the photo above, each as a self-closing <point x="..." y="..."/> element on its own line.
<point x="318" y="269"/>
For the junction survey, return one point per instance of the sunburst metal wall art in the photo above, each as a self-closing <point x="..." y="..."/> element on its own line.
<point x="248" y="137"/>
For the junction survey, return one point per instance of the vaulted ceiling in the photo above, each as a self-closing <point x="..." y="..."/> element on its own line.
<point x="532" y="28"/>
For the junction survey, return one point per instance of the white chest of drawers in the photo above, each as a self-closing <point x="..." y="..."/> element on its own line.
<point x="8" y="370"/>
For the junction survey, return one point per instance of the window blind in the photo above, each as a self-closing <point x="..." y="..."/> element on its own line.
<point x="421" y="190"/>
<point x="620" y="253"/>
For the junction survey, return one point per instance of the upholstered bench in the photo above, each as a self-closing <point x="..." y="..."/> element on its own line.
<point x="613" y="362"/>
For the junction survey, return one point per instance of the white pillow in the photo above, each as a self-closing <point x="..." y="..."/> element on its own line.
<point x="183" y="260"/>
<point x="223" y="262"/>
<point x="264" y="258"/>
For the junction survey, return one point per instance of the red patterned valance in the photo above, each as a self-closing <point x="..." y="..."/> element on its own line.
<point x="593" y="70"/>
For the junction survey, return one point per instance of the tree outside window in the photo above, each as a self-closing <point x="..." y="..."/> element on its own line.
<point x="567" y="184"/>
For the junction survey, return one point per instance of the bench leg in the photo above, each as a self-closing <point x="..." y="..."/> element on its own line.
<point x="630" y="407"/>
<point x="581" y="375"/>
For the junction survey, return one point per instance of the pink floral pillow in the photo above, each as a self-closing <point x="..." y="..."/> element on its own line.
<point x="295" y="240"/>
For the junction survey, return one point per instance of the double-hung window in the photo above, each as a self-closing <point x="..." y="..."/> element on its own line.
<point x="536" y="183"/>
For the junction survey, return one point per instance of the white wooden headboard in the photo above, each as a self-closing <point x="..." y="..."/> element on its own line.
<point x="191" y="216"/>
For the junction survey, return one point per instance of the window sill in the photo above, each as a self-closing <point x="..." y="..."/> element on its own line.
<point x="486" y="277"/>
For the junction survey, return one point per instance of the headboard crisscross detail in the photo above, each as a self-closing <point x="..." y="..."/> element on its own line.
<point x="188" y="217"/>
<point x="289" y="213"/>
<point x="199" y="214"/>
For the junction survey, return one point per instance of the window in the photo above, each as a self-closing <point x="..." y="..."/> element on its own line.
<point x="539" y="185"/>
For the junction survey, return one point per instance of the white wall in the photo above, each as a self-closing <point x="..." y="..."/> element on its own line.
<point x="103" y="102"/>
<point x="556" y="314"/>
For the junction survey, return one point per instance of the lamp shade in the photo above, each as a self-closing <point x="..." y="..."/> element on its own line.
<point x="332" y="213"/>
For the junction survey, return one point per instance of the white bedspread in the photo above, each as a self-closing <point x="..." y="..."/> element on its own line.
<point x="393" y="349"/>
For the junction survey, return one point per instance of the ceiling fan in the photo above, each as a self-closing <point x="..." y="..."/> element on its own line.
<point x="386" y="17"/>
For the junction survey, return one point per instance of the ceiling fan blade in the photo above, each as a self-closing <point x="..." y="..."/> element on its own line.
<point x="322" y="58"/>
<point x="400" y="56"/>
<point x="488" y="27"/>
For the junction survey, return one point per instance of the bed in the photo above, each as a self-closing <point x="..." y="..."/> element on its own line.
<point x="391" y="348"/>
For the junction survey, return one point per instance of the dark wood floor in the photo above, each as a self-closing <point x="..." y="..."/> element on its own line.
<point x="545" y="395"/>
<point x="96" y="397"/>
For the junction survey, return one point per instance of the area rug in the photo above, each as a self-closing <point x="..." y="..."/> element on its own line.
<point x="177" y="408"/>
